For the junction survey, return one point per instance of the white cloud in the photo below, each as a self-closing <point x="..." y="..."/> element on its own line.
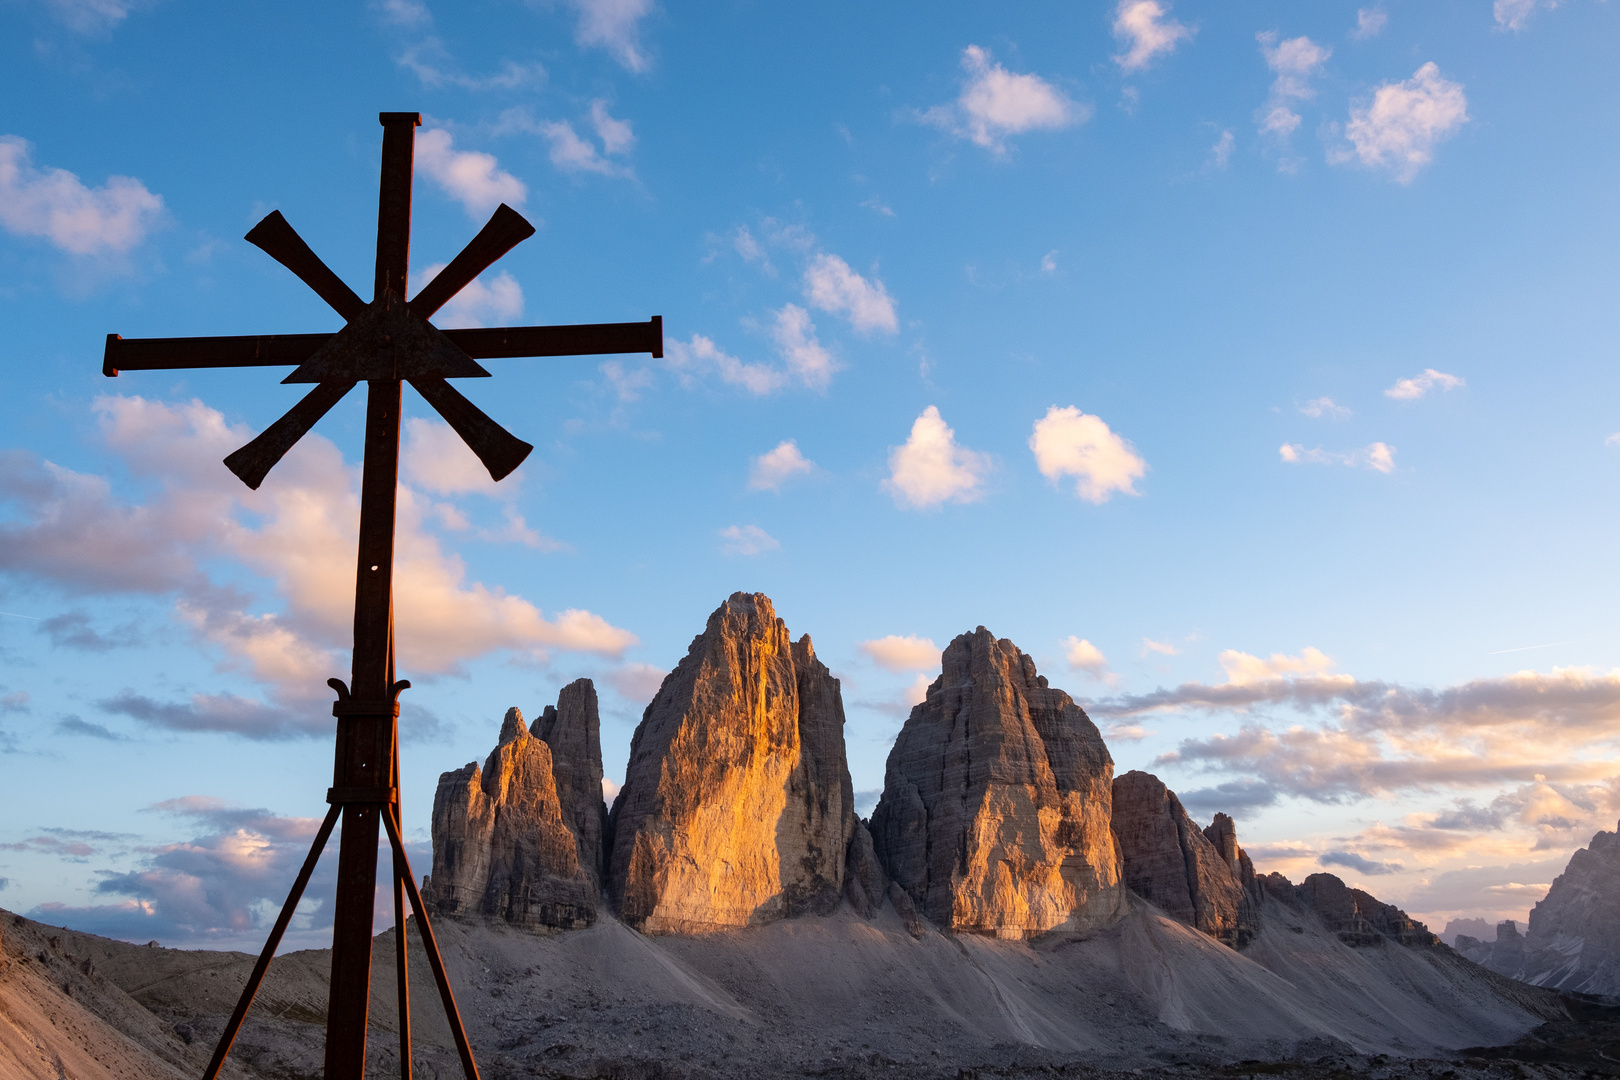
<point x="1069" y="442"/>
<point x="1513" y="14"/>
<point x="616" y="136"/>
<point x="479" y="303"/>
<point x="1377" y="456"/>
<point x="435" y="459"/>
<point x="895" y="653"/>
<point x="1147" y="29"/>
<point x="1325" y="407"/>
<point x="831" y="286"/>
<point x="1397" y="131"/>
<point x="295" y="534"/>
<point x="1370" y="22"/>
<point x="1221" y="152"/>
<point x="747" y="540"/>
<point x="931" y="469"/>
<point x="56" y="205"/>
<point x="917" y="692"/>
<point x="750" y="249"/>
<point x="572" y="154"/>
<point x="1163" y="648"/>
<point x="1295" y="61"/>
<point x="1082" y="655"/>
<point x="1049" y="262"/>
<point x="472" y="178"/>
<point x="702" y="354"/>
<point x="996" y="103"/>
<point x="795" y="337"/>
<point x="1242" y="669"/>
<point x="1414" y="388"/>
<point x="1612" y="440"/>
<point x="775" y="467"/>
<point x="612" y="24"/>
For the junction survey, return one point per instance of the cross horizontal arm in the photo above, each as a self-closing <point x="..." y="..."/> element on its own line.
<point x="291" y="350"/>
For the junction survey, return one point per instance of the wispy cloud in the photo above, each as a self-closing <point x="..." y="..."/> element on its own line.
<point x="1380" y="457"/>
<point x="1148" y="31"/>
<point x="930" y="469"/>
<point x="777" y="466"/>
<point x="1295" y="61"/>
<point x="1396" y="132"/>
<point x="996" y="103"/>
<point x="831" y="286"/>
<point x="614" y="25"/>
<point x="1068" y="442"/>
<point x="747" y="540"/>
<point x="57" y="206"/>
<point x="1370" y="22"/>
<point x="479" y="303"/>
<point x="1414" y="388"/>
<point x="1325" y="407"/>
<point x="896" y="653"/>
<point x="1514" y="14"/>
<point x="472" y="178"/>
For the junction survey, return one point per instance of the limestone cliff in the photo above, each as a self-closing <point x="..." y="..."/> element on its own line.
<point x="520" y="840"/>
<point x="737" y="806"/>
<point x="1197" y="877"/>
<point x="996" y="801"/>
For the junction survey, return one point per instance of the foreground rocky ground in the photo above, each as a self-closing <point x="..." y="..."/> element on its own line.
<point x="822" y="997"/>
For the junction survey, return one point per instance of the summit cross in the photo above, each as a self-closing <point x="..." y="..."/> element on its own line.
<point x="384" y="343"/>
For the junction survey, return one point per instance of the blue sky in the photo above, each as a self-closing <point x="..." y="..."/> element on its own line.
<point x="1250" y="365"/>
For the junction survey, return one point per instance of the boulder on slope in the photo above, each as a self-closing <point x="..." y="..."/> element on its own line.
<point x="520" y="839"/>
<point x="737" y="807"/>
<point x="996" y="801"/>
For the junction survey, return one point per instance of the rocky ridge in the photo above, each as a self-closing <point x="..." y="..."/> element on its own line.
<point x="1573" y="939"/>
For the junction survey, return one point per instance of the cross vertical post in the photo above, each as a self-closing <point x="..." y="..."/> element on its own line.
<point x="384" y="344"/>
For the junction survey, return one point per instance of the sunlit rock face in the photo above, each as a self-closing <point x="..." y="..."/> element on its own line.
<point x="996" y="801"/>
<point x="520" y="840"/>
<point x="1198" y="877"/>
<point x="1573" y="941"/>
<point x="737" y="806"/>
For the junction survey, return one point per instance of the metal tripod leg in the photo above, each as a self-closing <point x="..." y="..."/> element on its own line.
<point x="252" y="988"/>
<point x="445" y="994"/>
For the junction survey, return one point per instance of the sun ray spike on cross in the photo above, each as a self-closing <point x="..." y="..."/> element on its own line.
<point x="384" y="343"/>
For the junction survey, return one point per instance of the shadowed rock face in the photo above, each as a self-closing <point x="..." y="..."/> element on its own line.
<point x="1573" y="941"/>
<point x="1197" y="877"/>
<point x="996" y="801"/>
<point x="520" y="840"/>
<point x="737" y="806"/>
<point x="1357" y="917"/>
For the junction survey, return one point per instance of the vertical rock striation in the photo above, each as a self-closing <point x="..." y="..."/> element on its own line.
<point x="520" y="840"/>
<point x="996" y="801"/>
<point x="737" y="806"/>
<point x="1199" y="877"/>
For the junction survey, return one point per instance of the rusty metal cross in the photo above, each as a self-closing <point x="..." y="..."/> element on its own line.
<point x="383" y="344"/>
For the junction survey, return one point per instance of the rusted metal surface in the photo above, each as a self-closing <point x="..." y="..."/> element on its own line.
<point x="446" y="995"/>
<point x="505" y="231"/>
<point x="252" y="462"/>
<point x="382" y="344"/>
<point x="497" y="448"/>
<point x="282" y="350"/>
<point x="282" y="243"/>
